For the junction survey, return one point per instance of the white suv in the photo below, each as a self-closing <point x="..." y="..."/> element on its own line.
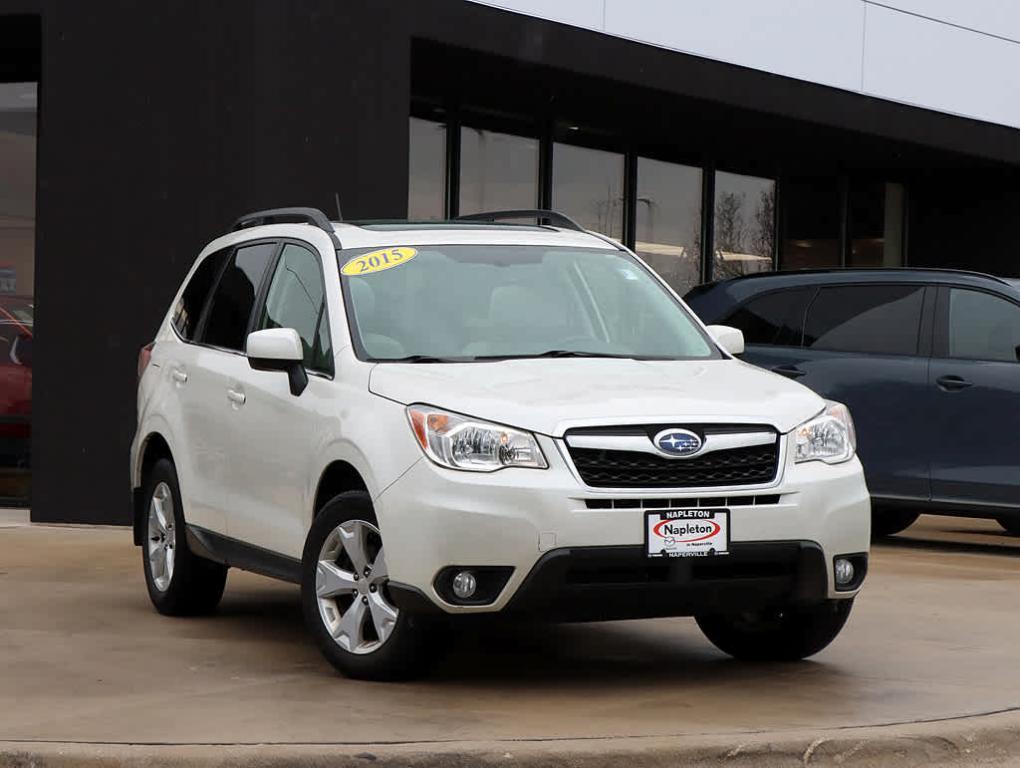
<point x="417" y="421"/>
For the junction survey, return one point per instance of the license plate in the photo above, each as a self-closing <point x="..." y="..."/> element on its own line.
<point x="687" y="532"/>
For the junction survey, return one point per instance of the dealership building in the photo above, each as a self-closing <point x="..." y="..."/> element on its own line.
<point x="715" y="137"/>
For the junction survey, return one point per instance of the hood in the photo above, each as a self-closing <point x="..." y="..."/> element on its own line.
<point x="550" y="396"/>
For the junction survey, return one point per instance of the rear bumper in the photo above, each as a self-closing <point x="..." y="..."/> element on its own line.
<point x="619" y="582"/>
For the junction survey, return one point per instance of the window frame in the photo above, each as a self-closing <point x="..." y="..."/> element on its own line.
<point x="940" y="341"/>
<point x="203" y="319"/>
<point x="263" y="295"/>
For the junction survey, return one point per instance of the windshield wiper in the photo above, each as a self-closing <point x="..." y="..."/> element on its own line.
<point x="554" y="353"/>
<point x="422" y="359"/>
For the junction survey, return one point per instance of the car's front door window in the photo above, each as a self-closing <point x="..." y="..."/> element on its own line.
<point x="297" y="299"/>
<point x="983" y="327"/>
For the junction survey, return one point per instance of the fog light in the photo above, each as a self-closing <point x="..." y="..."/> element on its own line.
<point x="464" y="584"/>
<point x="844" y="571"/>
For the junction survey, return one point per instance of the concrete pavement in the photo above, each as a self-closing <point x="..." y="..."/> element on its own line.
<point x="89" y="668"/>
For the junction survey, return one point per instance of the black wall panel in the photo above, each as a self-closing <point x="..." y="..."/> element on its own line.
<point x="163" y="120"/>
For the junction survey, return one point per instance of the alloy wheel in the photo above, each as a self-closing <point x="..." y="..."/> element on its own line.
<point x="350" y="587"/>
<point x="162" y="537"/>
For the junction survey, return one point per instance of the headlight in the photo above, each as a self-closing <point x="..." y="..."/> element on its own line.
<point x="459" y="442"/>
<point x="829" y="437"/>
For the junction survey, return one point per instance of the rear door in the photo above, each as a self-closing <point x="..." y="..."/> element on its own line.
<point x="866" y="345"/>
<point x="975" y="382"/>
<point x="215" y="375"/>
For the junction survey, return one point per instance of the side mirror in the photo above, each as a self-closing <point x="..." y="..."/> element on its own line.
<point x="730" y="339"/>
<point x="279" y="349"/>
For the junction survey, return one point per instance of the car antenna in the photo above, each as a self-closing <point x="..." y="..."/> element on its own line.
<point x="339" y="215"/>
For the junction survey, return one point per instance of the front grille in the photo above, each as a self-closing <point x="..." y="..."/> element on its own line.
<point x="607" y="468"/>
<point x="703" y="501"/>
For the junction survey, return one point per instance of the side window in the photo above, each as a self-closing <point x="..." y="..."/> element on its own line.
<point x="296" y="299"/>
<point x="983" y="327"/>
<point x="775" y="319"/>
<point x="189" y="306"/>
<point x="875" y="319"/>
<point x="234" y="297"/>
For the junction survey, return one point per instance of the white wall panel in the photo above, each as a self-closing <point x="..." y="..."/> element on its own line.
<point x="941" y="67"/>
<point x="806" y="39"/>
<point x="578" y="13"/>
<point x="993" y="17"/>
<point x="956" y="56"/>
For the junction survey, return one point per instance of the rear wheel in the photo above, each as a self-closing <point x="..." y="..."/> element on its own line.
<point x="346" y="600"/>
<point x="179" y="582"/>
<point x="886" y="522"/>
<point x="787" y="634"/>
<point x="1011" y="524"/>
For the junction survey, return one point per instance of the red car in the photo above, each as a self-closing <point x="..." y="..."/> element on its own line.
<point x="16" y="339"/>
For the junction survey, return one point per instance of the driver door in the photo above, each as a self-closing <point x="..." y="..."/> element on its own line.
<point x="975" y="380"/>
<point x="277" y="442"/>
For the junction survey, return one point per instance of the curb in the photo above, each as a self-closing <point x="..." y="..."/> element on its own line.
<point x="960" y="741"/>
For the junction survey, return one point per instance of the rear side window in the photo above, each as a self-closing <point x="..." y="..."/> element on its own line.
<point x="189" y="306"/>
<point x="234" y="297"/>
<point x="876" y="319"/>
<point x="775" y="319"/>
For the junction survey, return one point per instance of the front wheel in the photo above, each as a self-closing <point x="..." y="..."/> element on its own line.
<point x="787" y="634"/>
<point x="346" y="601"/>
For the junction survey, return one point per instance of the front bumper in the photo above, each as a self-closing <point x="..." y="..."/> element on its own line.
<point x="564" y="554"/>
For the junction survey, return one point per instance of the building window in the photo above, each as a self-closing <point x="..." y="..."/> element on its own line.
<point x="745" y="231"/>
<point x="668" y="221"/>
<point x="498" y="171"/>
<point x="426" y="187"/>
<point x="18" y="113"/>
<point x="588" y="186"/>
<point x="875" y="221"/>
<point x="811" y="223"/>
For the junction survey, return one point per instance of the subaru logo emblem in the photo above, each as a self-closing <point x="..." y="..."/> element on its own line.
<point x="677" y="443"/>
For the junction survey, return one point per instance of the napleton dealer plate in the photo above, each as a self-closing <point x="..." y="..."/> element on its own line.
<point x="687" y="532"/>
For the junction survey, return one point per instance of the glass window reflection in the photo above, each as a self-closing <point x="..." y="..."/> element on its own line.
<point x="588" y="186"/>
<point x="745" y="230"/>
<point x="668" y="222"/>
<point x="498" y="171"/>
<point x="426" y="187"/>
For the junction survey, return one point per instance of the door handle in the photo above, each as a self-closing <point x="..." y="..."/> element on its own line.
<point x="789" y="371"/>
<point x="236" y="396"/>
<point x="952" y="383"/>
<point x="179" y="376"/>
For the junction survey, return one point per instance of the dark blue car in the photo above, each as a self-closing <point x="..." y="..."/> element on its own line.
<point x="928" y="362"/>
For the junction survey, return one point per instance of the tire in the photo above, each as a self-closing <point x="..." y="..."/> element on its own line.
<point x="350" y="614"/>
<point x="781" y="635"/>
<point x="1010" y="524"/>
<point x="887" y="522"/>
<point x="180" y="583"/>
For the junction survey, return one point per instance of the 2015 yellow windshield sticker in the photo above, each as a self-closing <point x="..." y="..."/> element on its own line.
<point x="377" y="261"/>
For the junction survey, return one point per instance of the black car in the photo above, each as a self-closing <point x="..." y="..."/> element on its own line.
<point x="928" y="362"/>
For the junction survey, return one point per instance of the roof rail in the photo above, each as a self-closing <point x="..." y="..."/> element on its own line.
<point x="876" y="270"/>
<point x="551" y="218"/>
<point x="312" y="216"/>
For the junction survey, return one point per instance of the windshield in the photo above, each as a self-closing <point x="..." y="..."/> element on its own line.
<point x="477" y="302"/>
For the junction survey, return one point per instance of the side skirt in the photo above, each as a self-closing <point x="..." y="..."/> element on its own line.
<point x="247" y="557"/>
